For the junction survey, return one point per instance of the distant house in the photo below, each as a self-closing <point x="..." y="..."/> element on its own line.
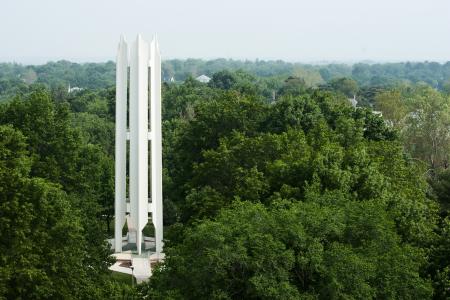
<point x="73" y="89"/>
<point x="203" y="78"/>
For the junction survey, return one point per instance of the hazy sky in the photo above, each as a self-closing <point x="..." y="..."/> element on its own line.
<point x="34" y="31"/>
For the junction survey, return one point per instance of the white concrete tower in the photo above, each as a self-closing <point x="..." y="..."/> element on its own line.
<point x="144" y="59"/>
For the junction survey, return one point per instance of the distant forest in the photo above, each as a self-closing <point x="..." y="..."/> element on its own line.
<point x="16" y="77"/>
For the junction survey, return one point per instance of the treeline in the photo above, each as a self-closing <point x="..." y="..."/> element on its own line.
<point x="56" y="197"/>
<point x="271" y="191"/>
<point x="15" y="77"/>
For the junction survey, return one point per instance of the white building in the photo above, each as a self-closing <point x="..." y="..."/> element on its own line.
<point x="73" y="89"/>
<point x="203" y="78"/>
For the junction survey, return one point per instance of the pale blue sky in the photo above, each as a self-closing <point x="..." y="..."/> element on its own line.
<point x="33" y="31"/>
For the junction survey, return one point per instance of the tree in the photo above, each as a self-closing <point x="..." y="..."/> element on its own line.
<point x="441" y="187"/>
<point x="42" y="244"/>
<point x="50" y="136"/>
<point x="302" y="250"/>
<point x="223" y="80"/>
<point x="393" y="106"/>
<point x="95" y="171"/>
<point x="214" y="118"/>
<point x="446" y="87"/>
<point x="62" y="167"/>
<point x="439" y="262"/>
<point x="293" y="86"/>
<point x="346" y="86"/>
<point x="427" y="135"/>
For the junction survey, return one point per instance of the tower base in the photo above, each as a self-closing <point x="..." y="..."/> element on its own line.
<point x="137" y="265"/>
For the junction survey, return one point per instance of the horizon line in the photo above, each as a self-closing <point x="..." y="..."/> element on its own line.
<point x="36" y="61"/>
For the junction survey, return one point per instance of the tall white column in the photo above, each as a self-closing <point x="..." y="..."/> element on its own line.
<point x="156" y="143"/>
<point x="138" y="139"/>
<point x="121" y="143"/>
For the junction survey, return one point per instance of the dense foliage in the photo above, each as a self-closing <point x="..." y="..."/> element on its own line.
<point x="55" y="189"/>
<point x="279" y="201"/>
<point x="275" y="186"/>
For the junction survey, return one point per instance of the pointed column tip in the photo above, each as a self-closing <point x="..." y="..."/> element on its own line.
<point x="139" y="40"/>
<point x="155" y="42"/>
<point x="122" y="39"/>
<point x="122" y="45"/>
<point x="155" y="39"/>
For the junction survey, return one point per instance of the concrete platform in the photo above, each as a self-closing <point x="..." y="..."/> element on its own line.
<point x="141" y="264"/>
